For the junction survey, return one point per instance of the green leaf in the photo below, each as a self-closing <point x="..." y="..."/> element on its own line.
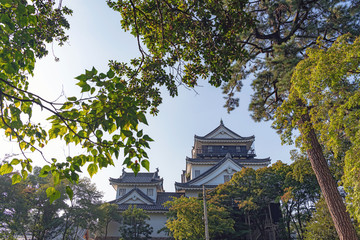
<point x="44" y="171"/>
<point x="147" y="138"/>
<point x="139" y="133"/>
<point x="127" y="161"/>
<point x="73" y="99"/>
<point x="127" y="133"/>
<point x="69" y="192"/>
<point x="24" y="174"/>
<point x="52" y="193"/>
<point x="99" y="133"/>
<point x="6" y="168"/>
<point x="92" y="169"/>
<point x="145" y="163"/>
<point x="22" y="145"/>
<point x="56" y="177"/>
<point x="15" y="161"/>
<point x="142" y="118"/>
<point x="29" y="167"/>
<point x="84" y="86"/>
<point x="82" y="78"/>
<point x="16" y="178"/>
<point x="110" y="74"/>
<point x="136" y="168"/>
<point x="94" y="152"/>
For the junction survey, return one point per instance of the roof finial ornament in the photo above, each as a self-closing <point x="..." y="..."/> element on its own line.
<point x="157" y="170"/>
<point x="123" y="170"/>
<point x="221" y="121"/>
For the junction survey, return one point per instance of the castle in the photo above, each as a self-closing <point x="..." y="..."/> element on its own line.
<point x="215" y="157"/>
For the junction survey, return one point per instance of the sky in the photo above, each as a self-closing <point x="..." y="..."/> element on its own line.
<point x="95" y="38"/>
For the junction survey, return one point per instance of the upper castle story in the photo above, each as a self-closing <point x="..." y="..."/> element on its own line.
<point x="222" y="141"/>
<point x="215" y="157"/>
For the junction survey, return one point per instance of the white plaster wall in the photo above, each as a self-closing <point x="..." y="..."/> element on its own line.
<point x="157" y="221"/>
<point x="202" y="168"/>
<point x="219" y="179"/>
<point x="113" y="229"/>
<point x="143" y="189"/>
<point x="132" y="201"/>
<point x="128" y="189"/>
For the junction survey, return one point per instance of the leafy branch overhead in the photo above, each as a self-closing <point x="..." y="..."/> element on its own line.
<point x="225" y="42"/>
<point x="102" y="123"/>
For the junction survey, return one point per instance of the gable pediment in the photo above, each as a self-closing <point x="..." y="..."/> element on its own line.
<point x="222" y="133"/>
<point x="135" y="196"/>
<point x="214" y="176"/>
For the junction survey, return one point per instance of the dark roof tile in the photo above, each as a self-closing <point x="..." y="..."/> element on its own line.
<point x="162" y="197"/>
<point x="240" y="161"/>
<point x="141" y="177"/>
<point x="223" y="126"/>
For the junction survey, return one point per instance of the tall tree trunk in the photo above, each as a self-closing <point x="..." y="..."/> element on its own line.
<point x="328" y="186"/>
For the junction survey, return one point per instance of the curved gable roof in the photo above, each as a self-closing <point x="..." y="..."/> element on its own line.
<point x="141" y="177"/>
<point x="193" y="182"/>
<point x="223" y="133"/>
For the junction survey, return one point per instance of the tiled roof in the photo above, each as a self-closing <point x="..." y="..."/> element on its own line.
<point x="239" y="161"/>
<point x="225" y="139"/>
<point x="212" y="169"/>
<point x="142" y="177"/>
<point x="187" y="186"/>
<point x="162" y="197"/>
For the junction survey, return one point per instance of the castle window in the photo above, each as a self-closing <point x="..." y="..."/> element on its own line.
<point x="150" y="192"/>
<point x="210" y="149"/>
<point x="197" y="173"/>
<point x="227" y="178"/>
<point x="121" y="192"/>
<point x="241" y="149"/>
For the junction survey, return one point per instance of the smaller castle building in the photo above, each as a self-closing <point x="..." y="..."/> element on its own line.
<point x="145" y="190"/>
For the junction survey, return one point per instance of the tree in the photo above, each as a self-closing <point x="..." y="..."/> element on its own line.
<point x="15" y="205"/>
<point x="134" y="224"/>
<point x="301" y="192"/>
<point x="251" y="192"/>
<point x="101" y="123"/>
<point x="186" y="220"/>
<point x="108" y="213"/>
<point x="250" y="195"/>
<point x="321" y="225"/>
<point x="26" y="210"/>
<point x="328" y="79"/>
<point x="83" y="210"/>
<point x="225" y="41"/>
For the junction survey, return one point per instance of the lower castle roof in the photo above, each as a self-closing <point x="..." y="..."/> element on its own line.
<point x="162" y="197"/>
<point x="250" y="161"/>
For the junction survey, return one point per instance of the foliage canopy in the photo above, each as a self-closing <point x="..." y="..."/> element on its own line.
<point x="102" y="123"/>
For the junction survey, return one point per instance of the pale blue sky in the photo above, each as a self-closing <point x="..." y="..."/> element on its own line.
<point x="95" y="38"/>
